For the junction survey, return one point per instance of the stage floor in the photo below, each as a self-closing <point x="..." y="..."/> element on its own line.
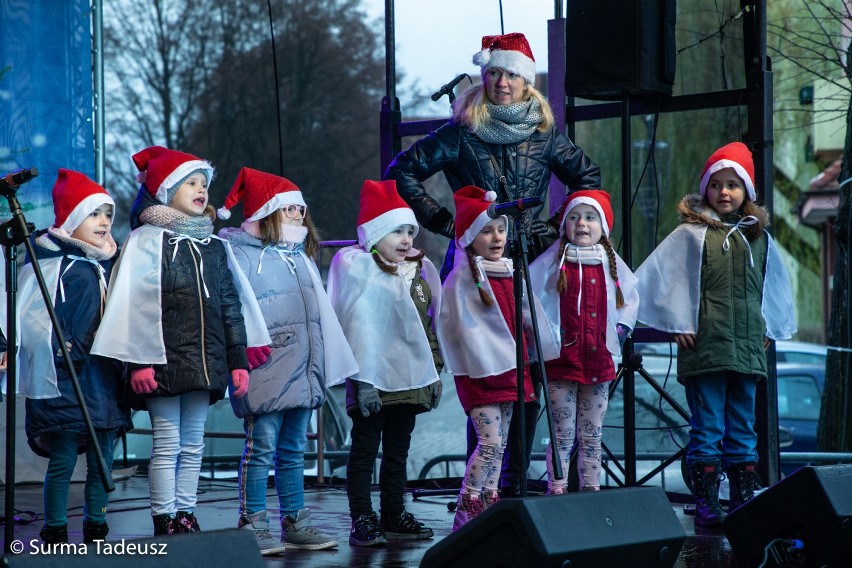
<point x="129" y="518"/>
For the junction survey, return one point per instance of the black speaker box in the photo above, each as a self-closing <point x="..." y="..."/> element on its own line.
<point x="233" y="547"/>
<point x="634" y="527"/>
<point x="812" y="505"/>
<point x="618" y="46"/>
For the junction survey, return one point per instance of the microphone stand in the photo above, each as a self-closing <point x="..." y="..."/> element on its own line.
<point x="519" y="252"/>
<point x="12" y="233"/>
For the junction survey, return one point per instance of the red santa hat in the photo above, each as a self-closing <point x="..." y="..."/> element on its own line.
<point x="261" y="193"/>
<point x="510" y="52"/>
<point x="75" y="196"/>
<point x="471" y="212"/>
<point x="381" y="211"/>
<point x="163" y="170"/>
<point x="735" y="155"/>
<point x="598" y="199"/>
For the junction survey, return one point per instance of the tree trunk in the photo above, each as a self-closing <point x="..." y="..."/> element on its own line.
<point x="834" y="433"/>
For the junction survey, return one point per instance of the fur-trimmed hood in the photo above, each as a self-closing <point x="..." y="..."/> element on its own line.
<point x="694" y="209"/>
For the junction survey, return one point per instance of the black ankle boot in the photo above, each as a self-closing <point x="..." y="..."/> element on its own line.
<point x="54" y="535"/>
<point x="743" y="481"/>
<point x="164" y="524"/>
<point x="705" y="482"/>
<point x="93" y="531"/>
<point x="185" y="522"/>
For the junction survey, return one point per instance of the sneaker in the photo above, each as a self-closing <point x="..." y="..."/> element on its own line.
<point x="489" y="499"/>
<point x="298" y="533"/>
<point x="185" y="522"/>
<point x="468" y="508"/>
<point x="404" y="527"/>
<point x="366" y="531"/>
<point x="259" y="523"/>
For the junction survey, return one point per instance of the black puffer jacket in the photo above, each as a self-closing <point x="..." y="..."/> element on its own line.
<point x="467" y="160"/>
<point x="205" y="337"/>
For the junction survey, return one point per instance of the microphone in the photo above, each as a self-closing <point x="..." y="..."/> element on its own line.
<point x="512" y="208"/>
<point x="448" y="88"/>
<point x="15" y="179"/>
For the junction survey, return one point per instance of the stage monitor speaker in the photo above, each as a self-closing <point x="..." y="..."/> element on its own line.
<point x="233" y="547"/>
<point x="813" y="505"/>
<point x="634" y="527"/>
<point x="618" y="46"/>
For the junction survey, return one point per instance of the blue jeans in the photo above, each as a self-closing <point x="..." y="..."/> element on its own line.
<point x="63" y="459"/>
<point x="178" y="444"/>
<point x="722" y="423"/>
<point x="276" y="437"/>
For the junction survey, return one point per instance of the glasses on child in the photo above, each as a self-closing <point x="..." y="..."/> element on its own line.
<point x="295" y="211"/>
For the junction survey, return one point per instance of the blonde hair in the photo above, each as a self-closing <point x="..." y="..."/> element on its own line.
<point x="483" y="295"/>
<point x="470" y="107"/>
<point x="270" y="231"/>
<point x="562" y="281"/>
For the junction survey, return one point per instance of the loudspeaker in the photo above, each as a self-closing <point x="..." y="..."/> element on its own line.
<point x="613" y="47"/>
<point x="233" y="547"/>
<point x="812" y="505"/>
<point x="634" y="527"/>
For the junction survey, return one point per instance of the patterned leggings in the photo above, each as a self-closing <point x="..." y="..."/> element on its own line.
<point x="491" y="422"/>
<point x="583" y="407"/>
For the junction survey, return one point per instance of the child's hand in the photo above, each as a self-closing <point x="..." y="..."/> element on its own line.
<point x="3" y="361"/>
<point x="142" y="381"/>
<point x="257" y="356"/>
<point x="766" y="343"/>
<point x="240" y="380"/>
<point x="369" y="401"/>
<point x="685" y="341"/>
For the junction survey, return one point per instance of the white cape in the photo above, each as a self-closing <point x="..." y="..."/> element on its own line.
<point x="544" y="271"/>
<point x="670" y="282"/>
<point x="475" y="340"/>
<point x="381" y="322"/>
<point x="36" y="371"/>
<point x="132" y="328"/>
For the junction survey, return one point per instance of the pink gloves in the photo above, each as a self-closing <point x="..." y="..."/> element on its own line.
<point x="240" y="380"/>
<point x="142" y="381"/>
<point x="257" y="356"/>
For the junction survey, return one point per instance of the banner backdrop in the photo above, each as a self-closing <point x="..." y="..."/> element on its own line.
<point x="45" y="96"/>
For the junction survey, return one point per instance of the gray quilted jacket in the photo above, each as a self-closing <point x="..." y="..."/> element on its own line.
<point x="293" y="377"/>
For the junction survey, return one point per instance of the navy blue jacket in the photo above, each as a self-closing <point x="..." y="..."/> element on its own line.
<point x="100" y="378"/>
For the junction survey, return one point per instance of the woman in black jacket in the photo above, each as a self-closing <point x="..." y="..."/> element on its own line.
<point x="501" y="138"/>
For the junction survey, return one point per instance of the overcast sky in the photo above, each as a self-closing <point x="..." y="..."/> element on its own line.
<point x="435" y="39"/>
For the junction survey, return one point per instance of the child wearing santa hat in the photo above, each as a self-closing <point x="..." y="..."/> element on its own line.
<point x="719" y="285"/>
<point x="181" y="321"/>
<point x="476" y="331"/>
<point x="275" y="247"/>
<point x="76" y="255"/>
<point x="590" y="298"/>
<point x="385" y="292"/>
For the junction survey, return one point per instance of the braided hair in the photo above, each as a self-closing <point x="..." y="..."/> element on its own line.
<point x="562" y="281"/>
<point x="483" y="295"/>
